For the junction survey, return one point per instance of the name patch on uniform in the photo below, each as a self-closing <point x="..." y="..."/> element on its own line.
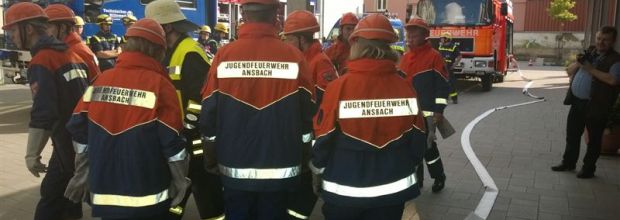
<point x="122" y="96"/>
<point x="257" y="69"/>
<point x="75" y="74"/>
<point x="377" y="108"/>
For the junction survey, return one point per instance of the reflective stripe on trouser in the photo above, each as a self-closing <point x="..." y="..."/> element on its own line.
<point x="258" y="173"/>
<point x="129" y="201"/>
<point x="300" y="203"/>
<point x="433" y="162"/>
<point x="370" y="191"/>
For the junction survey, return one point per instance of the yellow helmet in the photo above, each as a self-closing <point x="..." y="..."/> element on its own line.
<point x="129" y="19"/>
<point x="79" y="21"/>
<point x="446" y="35"/>
<point x="205" y="28"/>
<point x="221" y="27"/>
<point x="104" y="19"/>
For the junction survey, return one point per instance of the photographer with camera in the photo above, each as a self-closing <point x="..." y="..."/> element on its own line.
<point x="594" y="86"/>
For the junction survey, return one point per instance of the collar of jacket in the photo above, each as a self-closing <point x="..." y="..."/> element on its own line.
<point x="371" y="66"/>
<point x="421" y="49"/>
<point x="137" y="60"/>
<point x="47" y="42"/>
<point x="170" y="50"/>
<point x="73" y="38"/>
<point x="314" y="49"/>
<point x="257" y="30"/>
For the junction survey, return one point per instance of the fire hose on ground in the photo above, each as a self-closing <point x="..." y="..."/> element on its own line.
<point x="491" y="191"/>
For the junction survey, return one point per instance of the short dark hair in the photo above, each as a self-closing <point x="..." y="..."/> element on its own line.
<point x="609" y="30"/>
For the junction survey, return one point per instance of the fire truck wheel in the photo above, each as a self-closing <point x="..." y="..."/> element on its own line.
<point x="487" y="82"/>
<point x="499" y="78"/>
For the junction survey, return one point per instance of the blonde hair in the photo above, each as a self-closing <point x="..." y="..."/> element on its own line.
<point x="373" y="49"/>
<point x="137" y="44"/>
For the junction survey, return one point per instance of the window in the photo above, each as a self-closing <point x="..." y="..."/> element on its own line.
<point x="182" y="3"/>
<point x="381" y="5"/>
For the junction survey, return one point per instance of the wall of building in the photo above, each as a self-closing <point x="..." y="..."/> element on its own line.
<point x="395" y="7"/>
<point x="536" y="18"/>
<point x="601" y="12"/>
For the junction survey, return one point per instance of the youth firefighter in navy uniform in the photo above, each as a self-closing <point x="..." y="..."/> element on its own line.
<point x="104" y="43"/>
<point x="258" y="107"/>
<point x="131" y="160"/>
<point x="369" y="140"/>
<point x="187" y="65"/>
<point x="451" y="54"/>
<point x="425" y="70"/>
<point x="57" y="77"/>
<point x="299" y="29"/>
<point x="62" y="21"/>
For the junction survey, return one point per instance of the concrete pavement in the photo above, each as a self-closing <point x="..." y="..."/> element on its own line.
<point x="516" y="145"/>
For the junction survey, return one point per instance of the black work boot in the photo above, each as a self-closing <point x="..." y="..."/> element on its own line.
<point x="586" y="172"/>
<point x="455" y="100"/>
<point x="439" y="184"/>
<point x="563" y="167"/>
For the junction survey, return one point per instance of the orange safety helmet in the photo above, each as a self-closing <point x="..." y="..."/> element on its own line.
<point x="21" y="12"/>
<point x="417" y="22"/>
<point x="348" y="19"/>
<point x="59" y="12"/>
<point x="374" y="27"/>
<point x="148" y="29"/>
<point x="300" y="21"/>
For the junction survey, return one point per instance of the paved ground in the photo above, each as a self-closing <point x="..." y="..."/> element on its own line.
<point x="517" y="146"/>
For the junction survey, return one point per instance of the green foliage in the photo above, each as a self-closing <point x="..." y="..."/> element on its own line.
<point x="560" y="10"/>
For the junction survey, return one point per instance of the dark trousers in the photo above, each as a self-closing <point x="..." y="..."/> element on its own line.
<point x="53" y="204"/>
<point x="431" y="155"/>
<point x="433" y="164"/>
<point x="336" y="212"/>
<point x="207" y="190"/>
<point x="301" y="202"/>
<point x="576" y="122"/>
<point x="242" y="205"/>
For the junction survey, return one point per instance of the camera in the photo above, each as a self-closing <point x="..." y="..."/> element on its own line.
<point x="587" y="55"/>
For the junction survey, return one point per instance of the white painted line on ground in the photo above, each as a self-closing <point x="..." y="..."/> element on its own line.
<point x="487" y="201"/>
<point x="14" y="109"/>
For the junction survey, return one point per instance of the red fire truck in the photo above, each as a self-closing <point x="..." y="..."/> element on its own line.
<point x="482" y="28"/>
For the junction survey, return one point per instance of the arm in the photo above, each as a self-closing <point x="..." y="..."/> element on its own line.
<point x="208" y="112"/>
<point x="193" y="71"/>
<point x="442" y="87"/>
<point x="105" y="54"/>
<point x="610" y="78"/>
<point x="307" y="98"/>
<point x="572" y="69"/>
<point x="326" y="129"/>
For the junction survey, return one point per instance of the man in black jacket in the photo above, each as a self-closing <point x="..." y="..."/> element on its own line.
<point x="595" y="81"/>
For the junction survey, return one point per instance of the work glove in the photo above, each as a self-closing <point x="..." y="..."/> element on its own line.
<point x="78" y="189"/>
<point x="210" y="157"/>
<point x="37" y="139"/>
<point x="179" y="183"/>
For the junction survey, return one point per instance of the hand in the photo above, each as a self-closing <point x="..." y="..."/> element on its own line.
<point x="587" y="66"/>
<point x="35" y="166"/>
<point x="438" y="117"/>
<point x="78" y="189"/>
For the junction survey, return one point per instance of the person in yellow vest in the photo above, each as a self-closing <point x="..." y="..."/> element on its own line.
<point x="188" y="65"/>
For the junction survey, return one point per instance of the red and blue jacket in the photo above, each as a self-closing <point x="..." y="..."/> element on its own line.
<point x="426" y="71"/>
<point x="74" y="41"/>
<point x="321" y="67"/>
<point x="258" y="103"/>
<point x="339" y="54"/>
<point x="369" y="137"/>
<point x="57" y="77"/>
<point x="129" y="118"/>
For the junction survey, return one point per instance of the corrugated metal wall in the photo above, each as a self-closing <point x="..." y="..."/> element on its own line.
<point x="537" y="18"/>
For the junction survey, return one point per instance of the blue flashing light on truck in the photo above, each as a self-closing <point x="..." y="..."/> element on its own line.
<point x="200" y="12"/>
